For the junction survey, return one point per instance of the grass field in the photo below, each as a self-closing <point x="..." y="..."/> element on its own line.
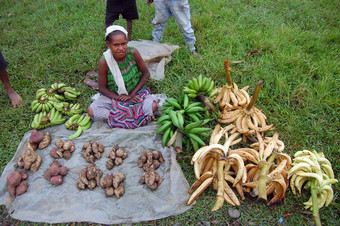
<point x="297" y="46"/>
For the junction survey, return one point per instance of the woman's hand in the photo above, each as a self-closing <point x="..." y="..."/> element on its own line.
<point x="128" y="98"/>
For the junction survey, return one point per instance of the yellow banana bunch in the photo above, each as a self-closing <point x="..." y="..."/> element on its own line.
<point x="248" y="120"/>
<point x="313" y="171"/>
<point x="266" y="168"/>
<point x="214" y="165"/>
<point x="230" y="97"/>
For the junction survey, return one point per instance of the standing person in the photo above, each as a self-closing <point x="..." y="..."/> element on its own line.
<point x="16" y="100"/>
<point x="128" y="9"/>
<point x="122" y="75"/>
<point x="180" y="9"/>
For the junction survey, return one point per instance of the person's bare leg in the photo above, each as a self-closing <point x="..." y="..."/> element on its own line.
<point x="90" y="112"/>
<point x="16" y="100"/>
<point x="129" y="28"/>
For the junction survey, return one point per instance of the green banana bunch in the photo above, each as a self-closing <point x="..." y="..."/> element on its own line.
<point x="200" y="85"/>
<point x="68" y="109"/>
<point x="56" y="118"/>
<point x="70" y="93"/>
<point x="194" y="131"/>
<point x="79" y="123"/>
<point x="40" y="121"/>
<point x="42" y="104"/>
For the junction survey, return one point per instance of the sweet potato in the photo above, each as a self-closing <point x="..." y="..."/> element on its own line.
<point x="54" y="170"/>
<point x="107" y="181"/>
<point x="118" y="161"/>
<point x="92" y="184"/>
<point x="63" y="171"/>
<point x="36" y="164"/>
<point x="56" y="180"/>
<point x="54" y="154"/>
<point x="109" y="191"/>
<point x="11" y="190"/>
<point x="45" y="141"/>
<point x="67" y="155"/>
<point x="23" y="175"/>
<point x="119" y="191"/>
<point x="67" y="145"/>
<point x="59" y="143"/>
<point x="22" y="188"/>
<point x="47" y="175"/>
<point x="120" y="152"/>
<point x="81" y="185"/>
<point x="109" y="164"/>
<point x="14" y="178"/>
<point x="36" y="137"/>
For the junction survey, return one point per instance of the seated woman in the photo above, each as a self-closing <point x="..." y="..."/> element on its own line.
<point x="122" y="75"/>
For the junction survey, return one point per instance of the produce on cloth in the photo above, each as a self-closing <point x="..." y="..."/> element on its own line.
<point x="113" y="184"/>
<point x="230" y="96"/>
<point x="50" y="105"/>
<point x="29" y="159"/>
<point x="79" y="123"/>
<point x="89" y="177"/>
<point x="311" y="170"/>
<point x="115" y="157"/>
<point x="214" y="165"/>
<point x="16" y="183"/>
<point x="55" y="173"/>
<point x="150" y="161"/>
<point x="62" y="149"/>
<point x="92" y="151"/>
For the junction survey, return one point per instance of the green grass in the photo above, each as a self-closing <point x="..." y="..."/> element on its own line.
<point x="45" y="41"/>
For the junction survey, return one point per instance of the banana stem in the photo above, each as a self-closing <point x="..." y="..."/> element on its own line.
<point x="264" y="167"/>
<point x="255" y="95"/>
<point x="220" y="185"/>
<point x="314" y="192"/>
<point x="179" y="142"/>
<point x="206" y="102"/>
<point x="227" y="72"/>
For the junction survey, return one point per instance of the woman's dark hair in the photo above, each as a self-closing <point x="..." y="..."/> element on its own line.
<point x="108" y="38"/>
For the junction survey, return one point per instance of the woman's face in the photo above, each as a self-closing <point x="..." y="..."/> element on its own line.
<point x="118" y="46"/>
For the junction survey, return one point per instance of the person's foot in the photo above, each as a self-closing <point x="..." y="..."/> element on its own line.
<point x="15" y="98"/>
<point x="196" y="54"/>
<point x="91" y="83"/>
<point x="92" y="73"/>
